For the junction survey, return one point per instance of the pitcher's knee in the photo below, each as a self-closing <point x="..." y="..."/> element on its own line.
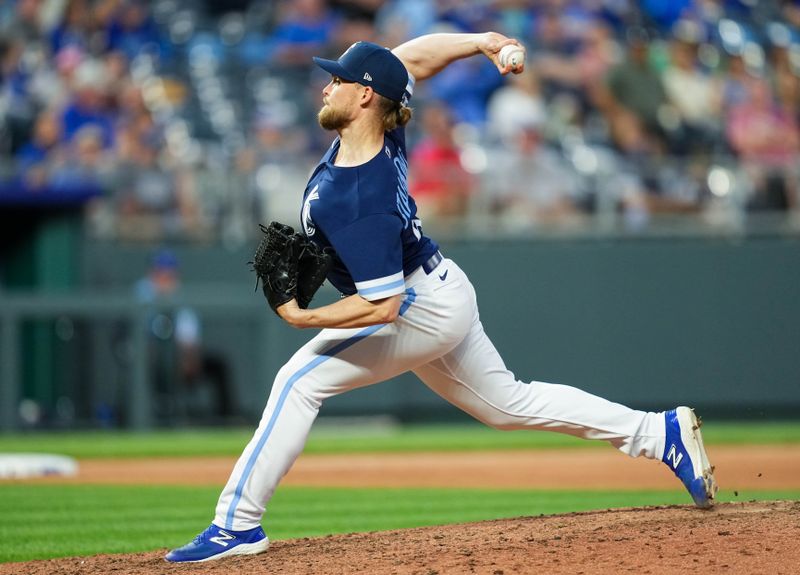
<point x="313" y="385"/>
<point x="283" y="375"/>
<point x="288" y="379"/>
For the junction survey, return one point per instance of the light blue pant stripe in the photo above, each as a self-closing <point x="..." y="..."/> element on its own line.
<point x="411" y="296"/>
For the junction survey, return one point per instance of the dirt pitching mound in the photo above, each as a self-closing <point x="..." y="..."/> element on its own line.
<point x="732" y="538"/>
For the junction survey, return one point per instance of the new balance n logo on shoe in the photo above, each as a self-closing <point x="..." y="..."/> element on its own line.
<point x="222" y="538"/>
<point x="674" y="457"/>
<point x="216" y="543"/>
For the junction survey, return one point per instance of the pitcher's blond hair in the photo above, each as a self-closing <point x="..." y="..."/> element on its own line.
<point x="393" y="114"/>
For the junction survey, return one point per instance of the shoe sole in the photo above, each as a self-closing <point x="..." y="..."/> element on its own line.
<point x="693" y="442"/>
<point x="241" y="549"/>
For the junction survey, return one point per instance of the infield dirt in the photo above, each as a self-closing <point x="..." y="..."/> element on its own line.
<point x="737" y="468"/>
<point x="732" y="538"/>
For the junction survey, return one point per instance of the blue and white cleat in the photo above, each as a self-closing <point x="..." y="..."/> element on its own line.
<point x="685" y="455"/>
<point x="216" y="543"/>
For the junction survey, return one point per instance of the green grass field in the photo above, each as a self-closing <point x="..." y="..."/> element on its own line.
<point x="43" y="521"/>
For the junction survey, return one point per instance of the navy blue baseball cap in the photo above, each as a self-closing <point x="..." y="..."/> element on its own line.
<point x="164" y="259"/>
<point x="374" y="66"/>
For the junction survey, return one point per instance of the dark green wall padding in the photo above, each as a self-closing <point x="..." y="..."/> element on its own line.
<point x="647" y="322"/>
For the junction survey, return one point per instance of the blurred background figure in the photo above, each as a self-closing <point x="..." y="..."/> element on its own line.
<point x="305" y="28"/>
<point x="151" y="199"/>
<point x="690" y="90"/>
<point x="84" y="164"/>
<point x="181" y="365"/>
<point x="518" y="103"/>
<point x="130" y="29"/>
<point x="89" y="104"/>
<point x="531" y="185"/>
<point x="582" y="72"/>
<point x="635" y="91"/>
<point x="41" y="150"/>
<point x="438" y="182"/>
<point x="766" y="139"/>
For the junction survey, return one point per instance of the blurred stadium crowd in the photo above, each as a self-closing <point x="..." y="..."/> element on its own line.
<point x="196" y="119"/>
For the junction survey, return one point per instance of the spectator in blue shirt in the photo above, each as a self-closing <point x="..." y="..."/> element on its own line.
<point x="305" y="28"/>
<point x="88" y="105"/>
<point x="46" y="137"/>
<point x="132" y="30"/>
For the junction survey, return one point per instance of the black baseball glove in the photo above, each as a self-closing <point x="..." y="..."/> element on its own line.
<point x="276" y="263"/>
<point x="315" y="263"/>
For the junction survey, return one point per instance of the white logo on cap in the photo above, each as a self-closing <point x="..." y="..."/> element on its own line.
<point x="367" y="77"/>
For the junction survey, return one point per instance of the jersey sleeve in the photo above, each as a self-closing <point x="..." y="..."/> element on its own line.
<point x="371" y="250"/>
<point x="398" y="136"/>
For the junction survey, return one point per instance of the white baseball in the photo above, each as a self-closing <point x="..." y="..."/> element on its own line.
<point x="511" y="55"/>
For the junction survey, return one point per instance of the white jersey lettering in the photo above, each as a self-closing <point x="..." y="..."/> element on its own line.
<point x="308" y="224"/>
<point x="402" y="189"/>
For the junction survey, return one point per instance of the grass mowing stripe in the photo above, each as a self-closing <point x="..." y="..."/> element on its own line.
<point x="97" y="444"/>
<point x="85" y="520"/>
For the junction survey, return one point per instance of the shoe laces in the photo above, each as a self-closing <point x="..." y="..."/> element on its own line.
<point x="201" y="537"/>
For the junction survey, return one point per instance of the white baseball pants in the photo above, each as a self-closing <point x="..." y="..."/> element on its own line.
<point x="440" y="338"/>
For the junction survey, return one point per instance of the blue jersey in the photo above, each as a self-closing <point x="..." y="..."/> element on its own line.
<point x="365" y="213"/>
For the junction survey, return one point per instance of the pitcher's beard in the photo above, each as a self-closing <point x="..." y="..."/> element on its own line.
<point x="331" y="119"/>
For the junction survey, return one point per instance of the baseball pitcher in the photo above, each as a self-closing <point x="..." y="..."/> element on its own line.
<point x="405" y="306"/>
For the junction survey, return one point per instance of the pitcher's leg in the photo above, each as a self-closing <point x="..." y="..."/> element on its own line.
<point x="334" y="362"/>
<point x="473" y="377"/>
<point x="279" y="439"/>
